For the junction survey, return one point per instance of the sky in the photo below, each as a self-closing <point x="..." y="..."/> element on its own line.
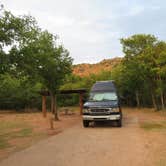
<point x="91" y="29"/>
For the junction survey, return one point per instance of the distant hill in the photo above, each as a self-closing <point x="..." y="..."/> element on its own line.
<point x="86" y="69"/>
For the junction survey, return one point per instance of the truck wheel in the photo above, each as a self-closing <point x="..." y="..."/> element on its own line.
<point x="85" y="123"/>
<point x="119" y="123"/>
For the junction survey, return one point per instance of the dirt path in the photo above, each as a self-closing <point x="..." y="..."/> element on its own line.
<point x="101" y="145"/>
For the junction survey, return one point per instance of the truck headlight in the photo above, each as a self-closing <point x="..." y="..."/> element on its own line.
<point x="86" y="110"/>
<point x="114" y="110"/>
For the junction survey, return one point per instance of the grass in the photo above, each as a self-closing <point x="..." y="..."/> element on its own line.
<point x="24" y="132"/>
<point x="154" y="126"/>
<point x="11" y="130"/>
<point x="161" y="162"/>
<point x="21" y="130"/>
<point x="3" y="143"/>
<point x="7" y="125"/>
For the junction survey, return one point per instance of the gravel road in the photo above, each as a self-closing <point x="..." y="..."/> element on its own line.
<point x="99" y="145"/>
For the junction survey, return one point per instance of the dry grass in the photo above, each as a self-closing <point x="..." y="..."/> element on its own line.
<point x="20" y="130"/>
<point x="17" y="130"/>
<point x="161" y="162"/>
<point x="3" y="143"/>
<point x="154" y="126"/>
<point x="153" y="120"/>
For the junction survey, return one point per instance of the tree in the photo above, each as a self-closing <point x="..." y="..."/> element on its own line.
<point x="14" y="32"/>
<point x="134" y="47"/>
<point x="156" y="65"/>
<point x="145" y="64"/>
<point x="46" y="62"/>
<point x="33" y="53"/>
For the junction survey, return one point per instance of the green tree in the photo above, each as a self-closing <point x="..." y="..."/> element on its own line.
<point x="42" y="60"/>
<point x="33" y="53"/>
<point x="155" y="62"/>
<point x="134" y="47"/>
<point x="15" y="31"/>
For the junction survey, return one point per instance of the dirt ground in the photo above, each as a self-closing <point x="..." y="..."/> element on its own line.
<point x="21" y="130"/>
<point x="140" y="142"/>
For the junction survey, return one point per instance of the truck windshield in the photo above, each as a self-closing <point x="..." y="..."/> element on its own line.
<point x="104" y="96"/>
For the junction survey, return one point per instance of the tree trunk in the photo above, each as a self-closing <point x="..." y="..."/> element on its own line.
<point x="54" y="106"/>
<point x="162" y="101"/>
<point x="81" y="102"/>
<point x="137" y="99"/>
<point x="154" y="102"/>
<point x="56" y="109"/>
<point x="44" y="107"/>
<point x="161" y="95"/>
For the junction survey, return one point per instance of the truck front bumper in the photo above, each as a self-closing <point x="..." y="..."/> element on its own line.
<point x="101" y="118"/>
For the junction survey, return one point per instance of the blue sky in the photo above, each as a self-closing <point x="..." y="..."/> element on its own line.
<point x="91" y="29"/>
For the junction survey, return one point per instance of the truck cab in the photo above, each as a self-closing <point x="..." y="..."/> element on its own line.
<point x="103" y="104"/>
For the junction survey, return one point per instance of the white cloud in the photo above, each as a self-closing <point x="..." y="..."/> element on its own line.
<point x="89" y="29"/>
<point x="136" y="10"/>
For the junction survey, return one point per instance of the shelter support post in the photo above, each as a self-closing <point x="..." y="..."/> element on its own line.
<point x="44" y="110"/>
<point x="81" y="102"/>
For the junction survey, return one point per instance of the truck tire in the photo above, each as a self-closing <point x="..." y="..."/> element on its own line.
<point x="85" y="123"/>
<point x="119" y="123"/>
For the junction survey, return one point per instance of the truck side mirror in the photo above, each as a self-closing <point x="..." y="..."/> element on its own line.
<point x="84" y="100"/>
<point x="121" y="97"/>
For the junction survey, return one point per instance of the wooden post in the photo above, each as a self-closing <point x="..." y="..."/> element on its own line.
<point x="51" y="123"/>
<point x="44" y="111"/>
<point x="81" y="102"/>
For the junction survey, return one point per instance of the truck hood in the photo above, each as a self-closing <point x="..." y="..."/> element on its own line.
<point x="101" y="104"/>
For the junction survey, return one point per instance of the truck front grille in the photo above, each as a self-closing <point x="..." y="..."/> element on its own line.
<point x="99" y="110"/>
